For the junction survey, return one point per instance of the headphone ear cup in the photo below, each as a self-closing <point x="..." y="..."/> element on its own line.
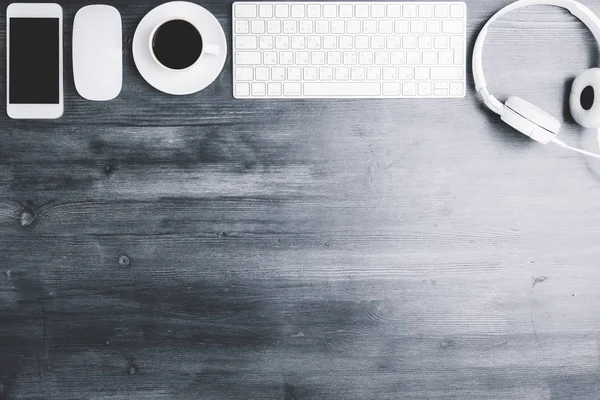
<point x="584" y="100"/>
<point x="529" y="119"/>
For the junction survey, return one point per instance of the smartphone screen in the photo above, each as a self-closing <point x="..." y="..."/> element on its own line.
<point x="34" y="61"/>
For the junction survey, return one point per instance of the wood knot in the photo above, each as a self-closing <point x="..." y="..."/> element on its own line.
<point x="27" y="217"/>
<point x="124" y="261"/>
<point x="132" y="370"/>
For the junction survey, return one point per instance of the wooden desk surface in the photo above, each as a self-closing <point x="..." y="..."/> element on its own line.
<point x="198" y="247"/>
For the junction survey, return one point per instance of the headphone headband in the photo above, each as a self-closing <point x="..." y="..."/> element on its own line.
<point x="584" y="14"/>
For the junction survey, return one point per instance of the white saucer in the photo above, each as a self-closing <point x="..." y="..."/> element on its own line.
<point x="198" y="76"/>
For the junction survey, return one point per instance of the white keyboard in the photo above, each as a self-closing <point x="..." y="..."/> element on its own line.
<point x="349" y="50"/>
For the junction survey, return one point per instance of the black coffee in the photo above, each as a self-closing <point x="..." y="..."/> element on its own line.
<point x="177" y="44"/>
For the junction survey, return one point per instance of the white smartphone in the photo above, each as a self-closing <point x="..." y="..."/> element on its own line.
<point x="34" y="61"/>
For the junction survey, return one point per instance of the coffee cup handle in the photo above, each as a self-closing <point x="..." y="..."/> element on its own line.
<point x="212" y="49"/>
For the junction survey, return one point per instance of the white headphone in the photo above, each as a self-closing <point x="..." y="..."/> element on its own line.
<point x="529" y="119"/>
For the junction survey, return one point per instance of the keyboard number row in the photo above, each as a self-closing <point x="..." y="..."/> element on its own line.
<point x="400" y="26"/>
<point x="282" y="10"/>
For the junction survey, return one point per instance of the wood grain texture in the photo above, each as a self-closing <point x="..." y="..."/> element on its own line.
<point x="198" y="247"/>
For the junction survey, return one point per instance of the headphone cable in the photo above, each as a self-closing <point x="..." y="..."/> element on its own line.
<point x="566" y="146"/>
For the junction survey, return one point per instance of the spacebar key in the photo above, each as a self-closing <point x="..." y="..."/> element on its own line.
<point x="342" y="89"/>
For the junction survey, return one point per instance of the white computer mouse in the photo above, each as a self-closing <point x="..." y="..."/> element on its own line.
<point x="97" y="52"/>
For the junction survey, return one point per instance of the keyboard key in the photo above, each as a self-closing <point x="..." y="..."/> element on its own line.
<point x="369" y="26"/>
<point x="242" y="26"/>
<point x="297" y="11"/>
<point x="409" y="11"/>
<point x="361" y="11"/>
<point x="457" y="89"/>
<point x="265" y="42"/>
<point x="244" y="73"/>
<point x="389" y="73"/>
<point x="353" y="26"/>
<point x="397" y="58"/>
<point x="265" y="11"/>
<point x="350" y="58"/>
<point x="378" y="42"/>
<point x="452" y="26"/>
<point x="457" y="11"/>
<point x="322" y="26"/>
<point x="290" y="26"/>
<point x="447" y="73"/>
<point x="313" y="11"/>
<point x="421" y="73"/>
<point x="425" y="89"/>
<point x="373" y="73"/>
<point x="393" y="42"/>
<point x="278" y="73"/>
<point x="259" y="89"/>
<point x="310" y="73"/>
<point x="346" y="42"/>
<point x="317" y="57"/>
<point x="409" y="42"/>
<point x="413" y="57"/>
<point x="248" y="58"/>
<point x="274" y="26"/>
<point x="382" y="58"/>
<point x="286" y="57"/>
<point x="361" y="42"/>
<point x="393" y="11"/>
<point x="262" y="73"/>
<point x="282" y="42"/>
<point x="330" y="42"/>
<point x="242" y="89"/>
<point x="417" y="26"/>
<point x="338" y="26"/>
<point x="440" y="92"/>
<point x="405" y="73"/>
<point x="429" y="57"/>
<point x="342" y="89"/>
<point x="292" y="89"/>
<point x="346" y="11"/>
<point x="281" y="11"/>
<point x="270" y="58"/>
<point x="246" y="42"/>
<point x="391" y="88"/>
<point x="440" y="42"/>
<point x="243" y="10"/>
<point x="258" y="26"/>
<point x="326" y="73"/>
<point x="433" y="26"/>
<point x="314" y="42"/>
<point x="386" y="26"/>
<point x="302" y="58"/>
<point x="401" y="26"/>
<point x="294" y="73"/>
<point x="306" y="26"/>
<point x="441" y="10"/>
<point x="334" y="58"/>
<point x="425" y="11"/>
<point x="457" y="45"/>
<point x="377" y="10"/>
<point x="342" y="73"/>
<point x="357" y="73"/>
<point x="425" y="42"/>
<point x="274" y="89"/>
<point x="365" y="57"/>
<point x="409" y="89"/>
<point x="329" y="10"/>
<point x="445" y="58"/>
<point x="298" y="42"/>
